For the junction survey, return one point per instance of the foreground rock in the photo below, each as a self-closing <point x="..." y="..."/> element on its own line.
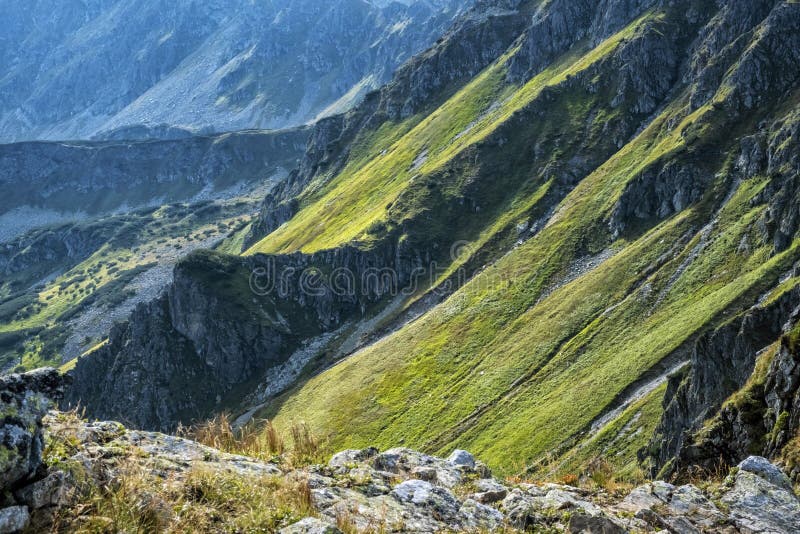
<point x="398" y="490"/>
<point x="404" y="490"/>
<point x="25" y="399"/>
<point x="761" y="499"/>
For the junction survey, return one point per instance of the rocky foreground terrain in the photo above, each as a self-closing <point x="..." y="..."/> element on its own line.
<point x="60" y="473"/>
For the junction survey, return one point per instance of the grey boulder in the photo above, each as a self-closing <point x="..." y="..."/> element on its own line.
<point x="760" y="500"/>
<point x="13" y="519"/>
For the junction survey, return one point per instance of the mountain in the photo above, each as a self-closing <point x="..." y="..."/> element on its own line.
<point x="112" y="68"/>
<point x="566" y="231"/>
<point x="51" y="182"/>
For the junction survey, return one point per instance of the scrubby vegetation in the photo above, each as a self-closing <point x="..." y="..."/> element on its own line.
<point x="141" y="497"/>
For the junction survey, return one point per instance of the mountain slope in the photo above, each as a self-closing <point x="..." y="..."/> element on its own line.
<point x="527" y="342"/>
<point x="591" y="209"/>
<point x="154" y="69"/>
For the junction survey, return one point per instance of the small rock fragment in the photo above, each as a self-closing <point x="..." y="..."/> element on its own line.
<point x="311" y="525"/>
<point x="586" y="524"/>
<point x="463" y="458"/>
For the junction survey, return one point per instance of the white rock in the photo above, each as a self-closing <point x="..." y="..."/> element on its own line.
<point x="477" y="516"/>
<point x="463" y="458"/>
<point x="438" y="502"/>
<point x="562" y="500"/>
<point x="311" y="525"/>
<point x="764" y="469"/>
<point x="352" y="457"/>
<point x="757" y="504"/>
<point x="414" y="491"/>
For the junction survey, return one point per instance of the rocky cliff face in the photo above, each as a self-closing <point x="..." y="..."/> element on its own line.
<point x="759" y="388"/>
<point x="147" y="68"/>
<point x="225" y="326"/>
<point x="722" y="362"/>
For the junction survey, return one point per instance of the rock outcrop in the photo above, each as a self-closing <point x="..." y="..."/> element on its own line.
<point x="223" y="324"/>
<point x="397" y="490"/>
<point x="762" y="417"/>
<point x="24" y="400"/>
<point x="721" y="363"/>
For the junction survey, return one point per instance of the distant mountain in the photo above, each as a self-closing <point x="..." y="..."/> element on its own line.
<point x="75" y="69"/>
<point x="52" y="182"/>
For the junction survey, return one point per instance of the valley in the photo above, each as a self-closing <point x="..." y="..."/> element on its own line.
<point x="561" y="235"/>
<point x="93" y="229"/>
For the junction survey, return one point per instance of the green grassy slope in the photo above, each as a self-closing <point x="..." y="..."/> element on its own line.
<point x="520" y="362"/>
<point x="389" y="177"/>
<point x="495" y="371"/>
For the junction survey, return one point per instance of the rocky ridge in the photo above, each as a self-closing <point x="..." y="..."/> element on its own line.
<point x="398" y="490"/>
<point x="83" y="179"/>
<point x="225" y="322"/>
<point x="473" y="42"/>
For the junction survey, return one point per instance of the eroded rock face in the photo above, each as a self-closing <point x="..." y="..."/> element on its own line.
<point x="220" y="325"/>
<point x="722" y="361"/>
<point x="24" y="400"/>
<point x="658" y="193"/>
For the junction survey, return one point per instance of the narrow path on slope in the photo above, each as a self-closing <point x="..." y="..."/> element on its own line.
<point x="640" y="392"/>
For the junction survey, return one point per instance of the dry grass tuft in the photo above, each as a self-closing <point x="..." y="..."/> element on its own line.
<point x="250" y="440"/>
<point x="307" y="449"/>
<point x="203" y="500"/>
